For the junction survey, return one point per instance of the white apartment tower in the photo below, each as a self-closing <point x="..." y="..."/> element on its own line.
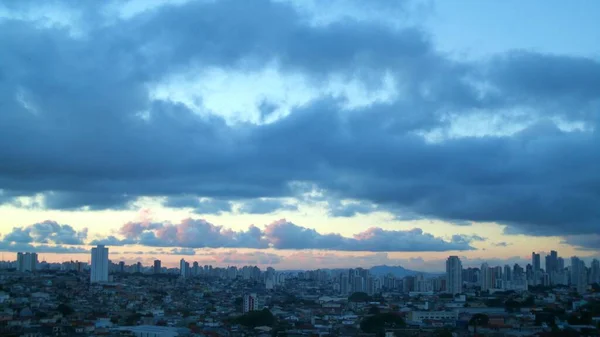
<point x="27" y="262"/>
<point x="453" y="275"/>
<point x="485" y="277"/>
<point x="99" y="271"/>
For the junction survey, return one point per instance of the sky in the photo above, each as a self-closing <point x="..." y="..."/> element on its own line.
<point x="300" y="134"/>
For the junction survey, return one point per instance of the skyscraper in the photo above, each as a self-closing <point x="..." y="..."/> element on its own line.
<point x="486" y="277"/>
<point x="453" y="275"/>
<point x="578" y="274"/>
<point x="99" y="271"/>
<point x="157" y="267"/>
<point x="536" y="264"/>
<point x="26" y="262"/>
<point x="507" y="275"/>
<point x="595" y="271"/>
<point x="183" y="268"/>
<point x="344" y="284"/>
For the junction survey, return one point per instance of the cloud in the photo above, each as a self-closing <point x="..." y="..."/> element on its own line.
<point x="42" y="248"/>
<point x="350" y="209"/>
<point x="419" y="148"/>
<point x="249" y="258"/>
<point x="112" y="240"/>
<point x="502" y="244"/>
<point x="193" y="233"/>
<point x="182" y="251"/>
<point x="200" y="206"/>
<point x="265" y="206"/>
<point x="584" y="242"/>
<point x="47" y="232"/>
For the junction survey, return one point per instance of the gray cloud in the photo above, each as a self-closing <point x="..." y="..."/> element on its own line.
<point x="25" y="247"/>
<point x="200" y="206"/>
<point x="541" y="181"/>
<point x="182" y="251"/>
<point x="337" y="209"/>
<point x="265" y="206"/>
<point x="47" y="232"/>
<point x="584" y="242"/>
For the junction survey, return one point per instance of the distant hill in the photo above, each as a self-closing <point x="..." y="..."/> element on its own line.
<point x="397" y="271"/>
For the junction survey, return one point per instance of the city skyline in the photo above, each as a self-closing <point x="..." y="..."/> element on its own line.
<point x="295" y="133"/>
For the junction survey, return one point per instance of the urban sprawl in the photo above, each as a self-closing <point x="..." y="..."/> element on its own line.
<point x="103" y="298"/>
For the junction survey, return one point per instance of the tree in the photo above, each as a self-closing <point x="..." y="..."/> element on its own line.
<point x="256" y="318"/>
<point x="376" y="323"/>
<point x="374" y="310"/>
<point x="64" y="309"/>
<point x="359" y="297"/>
<point x="478" y="320"/>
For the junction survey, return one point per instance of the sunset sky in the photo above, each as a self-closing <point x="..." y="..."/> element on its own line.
<point x="300" y="134"/>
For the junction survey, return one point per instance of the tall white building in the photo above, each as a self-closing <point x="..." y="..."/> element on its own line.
<point x="485" y="277"/>
<point x="99" y="271"/>
<point x="27" y="262"/>
<point x="453" y="275"/>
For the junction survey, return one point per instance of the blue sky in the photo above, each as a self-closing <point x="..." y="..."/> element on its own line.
<point x="284" y="133"/>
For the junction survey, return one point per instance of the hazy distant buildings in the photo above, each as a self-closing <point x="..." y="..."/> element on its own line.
<point x="27" y="262"/>
<point x="453" y="275"/>
<point x="99" y="268"/>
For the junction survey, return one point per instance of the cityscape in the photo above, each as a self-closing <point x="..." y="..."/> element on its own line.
<point x="107" y="298"/>
<point x="299" y="168"/>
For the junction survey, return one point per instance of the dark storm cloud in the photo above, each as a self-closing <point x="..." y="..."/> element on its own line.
<point x="200" y="206"/>
<point x="585" y="242"/>
<point x="70" y="126"/>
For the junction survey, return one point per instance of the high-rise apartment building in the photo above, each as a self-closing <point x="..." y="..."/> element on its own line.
<point x="250" y="303"/>
<point x="485" y="277"/>
<point x="99" y="268"/>
<point x="595" y="271"/>
<point x="27" y="262"/>
<point x="578" y="274"/>
<point x="184" y="268"/>
<point x="157" y="267"/>
<point x="344" y="284"/>
<point x="454" y="275"/>
<point x="537" y="268"/>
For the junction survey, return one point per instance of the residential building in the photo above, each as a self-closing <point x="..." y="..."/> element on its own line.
<point x="27" y="262"/>
<point x="250" y="303"/>
<point x="99" y="268"/>
<point x="454" y="275"/>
